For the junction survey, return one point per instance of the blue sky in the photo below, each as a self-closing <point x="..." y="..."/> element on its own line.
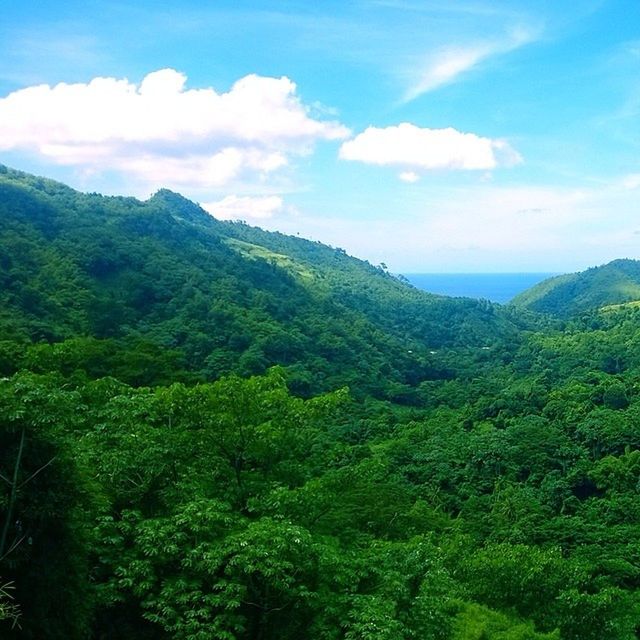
<point x="429" y="135"/>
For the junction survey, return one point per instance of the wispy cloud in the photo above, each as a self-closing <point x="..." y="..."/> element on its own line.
<point x="447" y="64"/>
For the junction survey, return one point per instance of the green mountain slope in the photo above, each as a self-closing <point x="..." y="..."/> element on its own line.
<point x="567" y="295"/>
<point x="141" y="500"/>
<point x="148" y="289"/>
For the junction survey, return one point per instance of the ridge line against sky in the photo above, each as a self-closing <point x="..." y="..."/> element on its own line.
<point x="432" y="136"/>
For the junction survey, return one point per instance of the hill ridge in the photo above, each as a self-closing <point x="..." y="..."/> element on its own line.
<point x="564" y="296"/>
<point x="220" y="297"/>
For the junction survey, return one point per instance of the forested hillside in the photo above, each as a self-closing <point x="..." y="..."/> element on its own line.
<point x="568" y="295"/>
<point x="412" y="467"/>
<point x="158" y="291"/>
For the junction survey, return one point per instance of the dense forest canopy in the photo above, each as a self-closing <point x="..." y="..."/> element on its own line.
<point x="208" y="431"/>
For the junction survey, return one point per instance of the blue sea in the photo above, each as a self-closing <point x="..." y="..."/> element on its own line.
<point x="497" y="287"/>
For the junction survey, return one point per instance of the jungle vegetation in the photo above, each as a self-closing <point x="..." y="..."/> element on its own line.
<point x="209" y="431"/>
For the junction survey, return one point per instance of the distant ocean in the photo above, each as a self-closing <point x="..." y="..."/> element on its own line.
<point x="497" y="287"/>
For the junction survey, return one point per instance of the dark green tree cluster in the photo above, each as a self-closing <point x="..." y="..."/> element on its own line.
<point x="224" y="510"/>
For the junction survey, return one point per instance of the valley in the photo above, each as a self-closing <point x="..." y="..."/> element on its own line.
<point x="208" y="430"/>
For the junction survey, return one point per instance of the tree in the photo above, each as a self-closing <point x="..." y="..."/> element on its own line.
<point x="43" y="509"/>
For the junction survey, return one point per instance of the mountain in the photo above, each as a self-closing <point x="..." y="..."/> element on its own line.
<point x="568" y="295"/>
<point x="159" y="480"/>
<point x="158" y="290"/>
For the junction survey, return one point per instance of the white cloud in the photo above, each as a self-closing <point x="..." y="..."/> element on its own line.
<point x="161" y="133"/>
<point x="409" y="176"/>
<point x="443" y="66"/>
<point x="419" y="149"/>
<point x="446" y="64"/>
<point x="244" y="207"/>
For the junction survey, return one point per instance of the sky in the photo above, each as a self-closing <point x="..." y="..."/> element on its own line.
<point x="432" y="136"/>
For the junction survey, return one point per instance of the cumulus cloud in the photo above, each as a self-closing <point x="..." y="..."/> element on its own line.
<point x="416" y="149"/>
<point x="160" y="132"/>
<point x="446" y="64"/>
<point x="244" y="207"/>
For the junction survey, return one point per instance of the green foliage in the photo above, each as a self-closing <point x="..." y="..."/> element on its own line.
<point x="154" y="291"/>
<point x="565" y="296"/>
<point x="8" y="610"/>
<point x="476" y="622"/>
<point x="43" y="503"/>
<point x="391" y="477"/>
